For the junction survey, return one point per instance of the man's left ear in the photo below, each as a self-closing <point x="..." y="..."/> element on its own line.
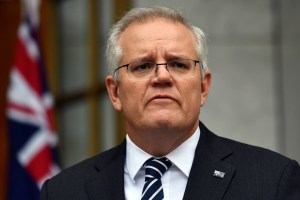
<point x="205" y="86"/>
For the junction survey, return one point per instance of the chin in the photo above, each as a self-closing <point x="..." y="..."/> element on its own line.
<point x="168" y="122"/>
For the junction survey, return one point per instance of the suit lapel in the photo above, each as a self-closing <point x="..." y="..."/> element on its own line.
<point x="209" y="159"/>
<point x="202" y="184"/>
<point x="109" y="181"/>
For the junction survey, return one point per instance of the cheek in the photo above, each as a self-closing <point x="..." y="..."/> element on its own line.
<point x="192" y="96"/>
<point x="131" y="98"/>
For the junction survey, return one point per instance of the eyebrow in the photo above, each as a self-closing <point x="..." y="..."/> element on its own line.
<point x="152" y="58"/>
<point x="175" y="57"/>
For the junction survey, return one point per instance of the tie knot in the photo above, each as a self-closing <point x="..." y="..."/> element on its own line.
<point x="156" y="167"/>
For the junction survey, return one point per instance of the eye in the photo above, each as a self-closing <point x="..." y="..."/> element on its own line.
<point x="140" y="67"/>
<point x="178" y="65"/>
<point x="143" y="66"/>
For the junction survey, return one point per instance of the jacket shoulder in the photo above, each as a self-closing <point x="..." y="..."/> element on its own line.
<point x="74" y="178"/>
<point x="96" y="162"/>
<point x="240" y="151"/>
<point x="251" y="153"/>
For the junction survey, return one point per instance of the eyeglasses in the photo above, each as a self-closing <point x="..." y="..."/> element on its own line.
<point x="146" y="70"/>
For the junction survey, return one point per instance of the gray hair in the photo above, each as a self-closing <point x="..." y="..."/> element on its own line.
<point x="114" y="51"/>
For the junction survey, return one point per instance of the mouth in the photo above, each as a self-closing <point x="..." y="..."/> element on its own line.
<point x="162" y="99"/>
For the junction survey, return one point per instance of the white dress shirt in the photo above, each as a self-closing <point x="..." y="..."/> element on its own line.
<point x="174" y="180"/>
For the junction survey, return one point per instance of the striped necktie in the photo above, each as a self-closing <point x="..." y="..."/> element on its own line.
<point x="154" y="169"/>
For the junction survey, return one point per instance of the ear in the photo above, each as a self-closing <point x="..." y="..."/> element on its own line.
<point x="112" y="87"/>
<point x="205" y="86"/>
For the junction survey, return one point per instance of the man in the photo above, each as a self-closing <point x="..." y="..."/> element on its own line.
<point x="160" y="80"/>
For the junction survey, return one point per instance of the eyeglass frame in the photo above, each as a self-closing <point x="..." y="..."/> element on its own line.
<point x="115" y="74"/>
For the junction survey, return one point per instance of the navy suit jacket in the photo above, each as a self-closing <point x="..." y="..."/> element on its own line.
<point x="251" y="173"/>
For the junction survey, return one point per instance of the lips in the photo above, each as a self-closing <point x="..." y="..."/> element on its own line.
<point x="162" y="97"/>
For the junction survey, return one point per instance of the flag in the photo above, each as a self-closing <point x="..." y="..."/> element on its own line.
<point x="32" y="136"/>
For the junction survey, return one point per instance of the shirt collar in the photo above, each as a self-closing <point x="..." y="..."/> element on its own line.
<point x="182" y="157"/>
<point x="135" y="158"/>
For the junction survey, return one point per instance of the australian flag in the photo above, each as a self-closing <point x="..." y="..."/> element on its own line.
<point x="32" y="136"/>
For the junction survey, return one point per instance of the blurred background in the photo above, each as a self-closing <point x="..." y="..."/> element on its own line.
<point x="253" y="52"/>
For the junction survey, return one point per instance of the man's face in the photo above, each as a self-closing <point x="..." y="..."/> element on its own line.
<point x="162" y="103"/>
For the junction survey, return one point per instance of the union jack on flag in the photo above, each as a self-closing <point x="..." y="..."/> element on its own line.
<point x="32" y="135"/>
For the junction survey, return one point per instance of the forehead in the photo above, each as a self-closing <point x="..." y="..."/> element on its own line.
<point x="157" y="37"/>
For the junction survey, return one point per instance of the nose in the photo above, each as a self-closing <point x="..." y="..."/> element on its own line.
<point x="161" y="68"/>
<point x="162" y="75"/>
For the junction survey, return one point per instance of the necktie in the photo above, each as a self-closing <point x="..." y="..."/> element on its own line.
<point x="154" y="169"/>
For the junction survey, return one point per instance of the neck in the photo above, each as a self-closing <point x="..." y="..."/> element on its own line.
<point x="160" y="142"/>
